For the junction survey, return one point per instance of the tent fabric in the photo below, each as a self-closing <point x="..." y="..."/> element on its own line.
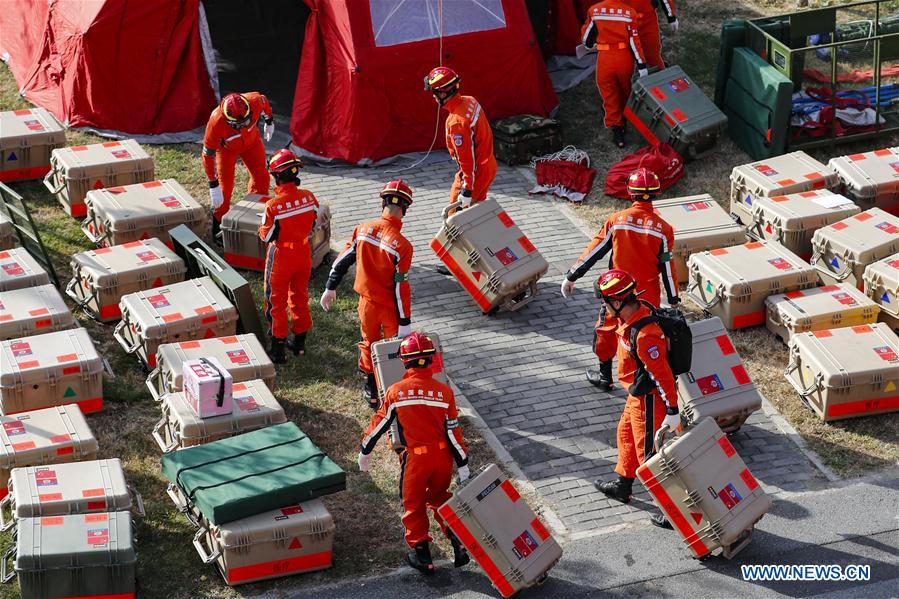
<point x="567" y="16"/>
<point x="134" y="67"/>
<point x="359" y="101"/>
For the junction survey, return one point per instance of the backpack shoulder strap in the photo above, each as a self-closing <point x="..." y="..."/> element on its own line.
<point x="635" y="329"/>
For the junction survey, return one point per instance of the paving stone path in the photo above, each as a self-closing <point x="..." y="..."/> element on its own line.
<point x="523" y="372"/>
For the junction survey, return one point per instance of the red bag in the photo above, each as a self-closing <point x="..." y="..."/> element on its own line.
<point x="661" y="159"/>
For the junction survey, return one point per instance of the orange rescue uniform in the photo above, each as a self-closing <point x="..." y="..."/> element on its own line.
<point x="288" y="221"/>
<point x="643" y="414"/>
<point x="429" y="426"/>
<point x="383" y="258"/>
<point x="641" y="244"/>
<point x="470" y="143"/>
<point x="612" y="27"/>
<point x="223" y="145"/>
<point x="648" y="27"/>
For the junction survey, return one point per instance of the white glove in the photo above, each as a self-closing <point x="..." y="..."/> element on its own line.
<point x="327" y="297"/>
<point x="465" y="198"/>
<point x="642" y="73"/>
<point x="268" y="129"/>
<point x="216" y="197"/>
<point x="363" y="461"/>
<point x="463" y="473"/>
<point x="674" y="25"/>
<point x="404" y="331"/>
<point x="567" y="287"/>
<point x="672" y="421"/>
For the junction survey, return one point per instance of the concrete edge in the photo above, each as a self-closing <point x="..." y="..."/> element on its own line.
<point x="468" y="410"/>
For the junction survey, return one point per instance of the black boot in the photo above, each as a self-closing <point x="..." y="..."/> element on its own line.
<point x="659" y="519"/>
<point x="460" y="554"/>
<point x="276" y="351"/>
<point x="420" y="559"/>
<point x="618" y="135"/>
<point x="619" y="490"/>
<point x="216" y="231"/>
<point x="298" y="344"/>
<point x="370" y="392"/>
<point x="601" y="378"/>
<point x="442" y="269"/>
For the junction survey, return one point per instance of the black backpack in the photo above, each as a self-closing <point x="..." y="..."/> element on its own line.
<point x="680" y="345"/>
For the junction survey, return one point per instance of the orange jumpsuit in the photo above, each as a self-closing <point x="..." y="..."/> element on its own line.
<point x="648" y="27"/>
<point x="429" y="427"/>
<point x="642" y="415"/>
<point x="612" y="27"/>
<point x="470" y="143"/>
<point x="641" y="244"/>
<point x="288" y="221"/>
<point x="383" y="258"/>
<point x="222" y="145"/>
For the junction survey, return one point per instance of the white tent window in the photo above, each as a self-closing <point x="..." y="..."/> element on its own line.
<point x="403" y="21"/>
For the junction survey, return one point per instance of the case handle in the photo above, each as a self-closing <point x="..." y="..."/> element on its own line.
<point x="7" y="574"/>
<point x="138" y="508"/>
<point x="445" y="214"/>
<point x="93" y="237"/>
<point x="117" y="334"/>
<point x="6" y="503"/>
<point x="166" y="448"/>
<point x="803" y="392"/>
<point x="80" y="303"/>
<point x="49" y="185"/>
<point x="699" y="301"/>
<point x="209" y="557"/>
<point x="151" y="386"/>
<point x="530" y="293"/>
<point x="840" y="276"/>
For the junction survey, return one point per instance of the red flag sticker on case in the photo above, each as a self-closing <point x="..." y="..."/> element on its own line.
<point x="158" y="301"/>
<point x="780" y="264"/>
<point x="730" y="496"/>
<point x="121" y="154"/>
<point x="98" y="536"/>
<point x="765" y="170"/>
<point x="238" y="356"/>
<point x="845" y="299"/>
<point x="709" y="384"/>
<point x="506" y="256"/>
<point x="887" y="354"/>
<point x="524" y="545"/>
<point x="45" y="478"/>
<point x="888" y="228"/>
<point x="147" y="256"/>
<point x="13" y="269"/>
<point x="14" y="428"/>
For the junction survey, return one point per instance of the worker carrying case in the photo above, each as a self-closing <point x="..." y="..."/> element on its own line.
<point x="517" y="139"/>
<point x="489" y="255"/>
<point x="704" y="489"/>
<point x="871" y="179"/>
<point x="844" y="249"/>
<point x="33" y="311"/>
<point x="27" y="138"/>
<point x="818" y="308"/>
<point x="18" y="269"/>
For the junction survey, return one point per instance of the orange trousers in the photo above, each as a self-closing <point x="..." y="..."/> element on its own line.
<point x="482" y="183"/>
<point x="287" y="271"/>
<point x="651" y="39"/>
<point x="376" y="322"/>
<point x="614" y="69"/>
<point x="425" y="476"/>
<point x="605" y="335"/>
<point x="225" y="161"/>
<point x="641" y="418"/>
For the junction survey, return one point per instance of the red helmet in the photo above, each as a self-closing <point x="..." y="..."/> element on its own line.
<point x="236" y="110"/>
<point x="416" y="349"/>
<point x="398" y="193"/>
<point x="441" y="79"/>
<point x="285" y="162"/>
<point x="643" y="184"/>
<point x="616" y="284"/>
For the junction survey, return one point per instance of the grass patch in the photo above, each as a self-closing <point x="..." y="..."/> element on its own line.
<point x="320" y="393"/>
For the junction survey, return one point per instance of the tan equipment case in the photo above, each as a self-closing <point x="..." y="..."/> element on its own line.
<point x="699" y="224"/>
<point x="102" y="276"/>
<point x="705" y="490"/>
<point x="843" y="249"/>
<point x="732" y="283"/>
<point x="27" y="137"/>
<point x="78" y="169"/>
<point x="489" y="255"/>
<point x="717" y="385"/>
<point x="73" y="488"/>
<point x="117" y="215"/>
<point x="50" y="370"/>
<point x="241" y="355"/>
<point x="846" y="373"/>
<point x="882" y="286"/>
<point x="194" y="309"/>
<point x="18" y="269"/>
<point x="818" y="308"/>
<point x="240" y="234"/>
<point x="781" y="175"/>
<point x="33" y="311"/>
<point x="8" y="237"/>
<point x="871" y="179"/>
<point x="501" y="531"/>
<point x="791" y="220"/>
<point x="254" y="407"/>
<point x="50" y="436"/>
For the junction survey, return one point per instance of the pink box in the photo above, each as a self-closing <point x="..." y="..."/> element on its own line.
<point x="207" y="387"/>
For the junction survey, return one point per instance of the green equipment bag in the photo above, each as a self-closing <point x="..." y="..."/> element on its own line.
<point x="252" y="473"/>
<point x="519" y="138"/>
<point x="733" y="35"/>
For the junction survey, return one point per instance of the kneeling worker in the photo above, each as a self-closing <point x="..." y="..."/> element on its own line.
<point x="287" y="223"/>
<point x="642" y="368"/>
<point x="383" y="258"/>
<point x="429" y="426"/>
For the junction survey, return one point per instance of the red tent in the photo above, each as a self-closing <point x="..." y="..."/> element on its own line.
<point x="360" y="93"/>
<point x="135" y="67"/>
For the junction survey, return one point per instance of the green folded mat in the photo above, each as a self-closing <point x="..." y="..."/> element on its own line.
<point x="733" y="35"/>
<point x="252" y="473"/>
